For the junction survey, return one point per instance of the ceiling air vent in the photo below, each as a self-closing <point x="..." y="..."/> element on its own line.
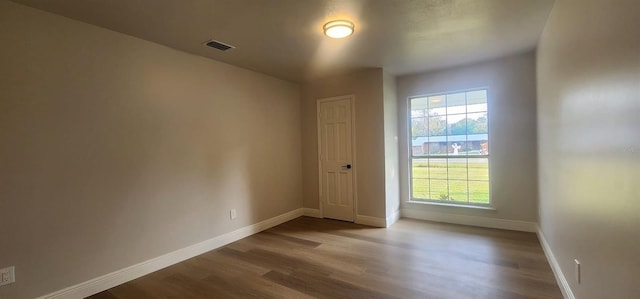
<point x="219" y="45"/>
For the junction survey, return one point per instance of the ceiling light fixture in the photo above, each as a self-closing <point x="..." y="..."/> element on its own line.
<point x="338" y="29"/>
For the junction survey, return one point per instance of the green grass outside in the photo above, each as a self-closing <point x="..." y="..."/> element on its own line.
<point x="456" y="181"/>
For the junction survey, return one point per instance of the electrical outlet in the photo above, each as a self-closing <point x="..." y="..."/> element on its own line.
<point x="233" y="214"/>
<point x="578" y="278"/>
<point x="7" y="275"/>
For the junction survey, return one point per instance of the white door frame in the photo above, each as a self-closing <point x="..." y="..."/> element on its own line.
<point x="354" y="168"/>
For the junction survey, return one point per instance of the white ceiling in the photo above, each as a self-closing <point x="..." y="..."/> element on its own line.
<point x="284" y="38"/>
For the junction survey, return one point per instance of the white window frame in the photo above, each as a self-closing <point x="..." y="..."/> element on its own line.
<point x="489" y="204"/>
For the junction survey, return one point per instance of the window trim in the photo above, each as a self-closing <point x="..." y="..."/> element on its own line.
<point x="410" y="157"/>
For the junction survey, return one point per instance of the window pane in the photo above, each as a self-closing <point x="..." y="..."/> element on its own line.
<point x="457" y="124"/>
<point x="420" y="169"/>
<point x="439" y="190"/>
<point x="479" y="169"/>
<point x="458" y="191"/>
<point x="437" y="126"/>
<point x="477" y="123"/>
<point x="477" y="108"/>
<point x="463" y="149"/>
<point x="420" y="146"/>
<point x="419" y="106"/>
<point x="479" y="192"/>
<point x="438" y="168"/>
<point x="477" y="145"/>
<point x="457" y="148"/>
<point x="419" y="127"/>
<point x="437" y="106"/>
<point x="484" y="148"/>
<point x="437" y="147"/>
<point x="437" y="102"/>
<point x="456" y="103"/>
<point x="477" y="97"/>
<point x="457" y="169"/>
<point x="420" y="188"/>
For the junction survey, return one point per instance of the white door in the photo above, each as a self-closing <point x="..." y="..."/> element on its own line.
<point x="335" y="146"/>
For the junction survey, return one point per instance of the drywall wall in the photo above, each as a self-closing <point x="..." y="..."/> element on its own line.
<point x="392" y="180"/>
<point x="589" y="144"/>
<point x="115" y="150"/>
<point x="369" y="165"/>
<point x="512" y="130"/>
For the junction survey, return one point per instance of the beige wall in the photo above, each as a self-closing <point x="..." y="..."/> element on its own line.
<point x="114" y="150"/>
<point x="392" y="180"/>
<point x="366" y="86"/>
<point x="512" y="129"/>
<point x="589" y="144"/>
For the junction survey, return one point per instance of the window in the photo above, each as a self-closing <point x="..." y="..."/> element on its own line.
<point x="450" y="148"/>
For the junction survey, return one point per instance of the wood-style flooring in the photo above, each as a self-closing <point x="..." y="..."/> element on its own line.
<point x="320" y="258"/>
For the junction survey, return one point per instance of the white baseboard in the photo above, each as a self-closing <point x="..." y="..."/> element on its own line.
<point x="516" y="225"/>
<point x="371" y="221"/>
<point x="121" y="276"/>
<point x="557" y="271"/>
<point x="393" y="218"/>
<point x="312" y="212"/>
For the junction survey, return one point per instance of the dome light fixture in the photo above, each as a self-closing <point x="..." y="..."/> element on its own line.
<point x="338" y="29"/>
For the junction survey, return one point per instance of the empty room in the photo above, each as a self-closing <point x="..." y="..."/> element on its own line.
<point x="320" y="149"/>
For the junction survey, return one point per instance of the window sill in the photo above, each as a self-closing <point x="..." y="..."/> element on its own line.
<point x="442" y="204"/>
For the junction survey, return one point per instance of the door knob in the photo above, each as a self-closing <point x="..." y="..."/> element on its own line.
<point x="348" y="166"/>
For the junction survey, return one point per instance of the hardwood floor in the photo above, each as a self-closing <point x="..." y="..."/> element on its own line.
<point x="309" y="257"/>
